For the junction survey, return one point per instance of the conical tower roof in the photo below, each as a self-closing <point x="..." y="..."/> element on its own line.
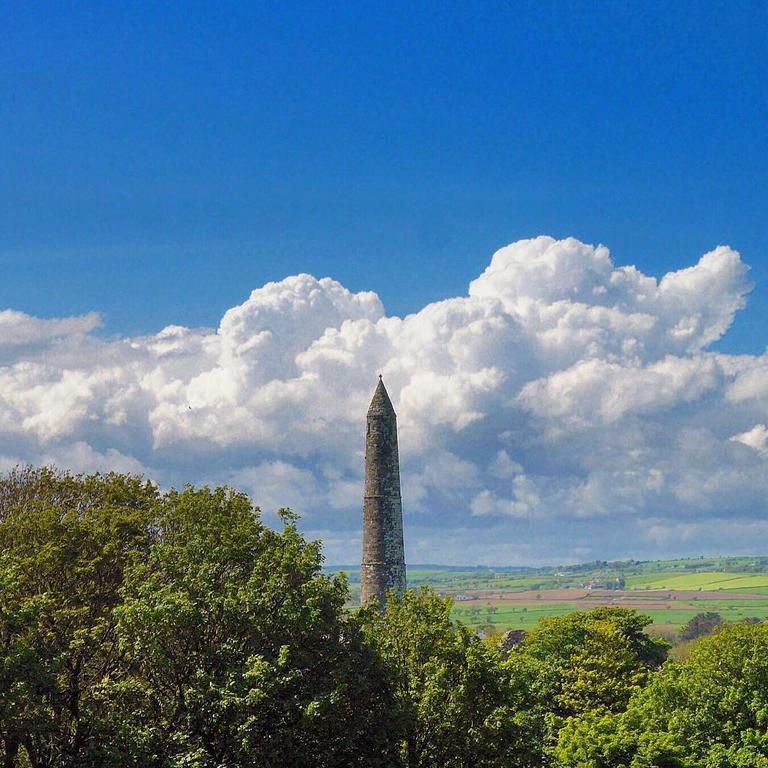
<point x="381" y="405"/>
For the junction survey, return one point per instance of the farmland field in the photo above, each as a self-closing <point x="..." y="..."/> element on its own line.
<point x="517" y="618"/>
<point x="670" y="592"/>
<point x="708" y="580"/>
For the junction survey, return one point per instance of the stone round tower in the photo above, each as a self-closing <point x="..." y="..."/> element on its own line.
<point x="383" y="565"/>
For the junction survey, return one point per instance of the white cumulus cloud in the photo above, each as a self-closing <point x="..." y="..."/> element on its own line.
<point x="756" y="438"/>
<point x="564" y="408"/>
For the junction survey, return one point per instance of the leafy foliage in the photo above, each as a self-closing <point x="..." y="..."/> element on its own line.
<point x="700" y="625"/>
<point x="457" y="699"/>
<point x="67" y="542"/>
<point x="239" y="650"/>
<point x="592" y="659"/>
<point x="587" y="661"/>
<point x="709" y="712"/>
<point x="141" y="628"/>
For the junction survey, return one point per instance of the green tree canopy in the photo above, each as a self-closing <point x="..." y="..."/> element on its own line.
<point x="149" y="629"/>
<point x="586" y="661"/>
<point x="240" y="653"/>
<point x="710" y="711"/>
<point x="700" y="625"/>
<point x="458" y="702"/>
<point x="592" y="659"/>
<point x="66" y="542"/>
<point x="140" y="628"/>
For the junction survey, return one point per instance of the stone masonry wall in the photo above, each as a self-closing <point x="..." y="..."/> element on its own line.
<point x="383" y="563"/>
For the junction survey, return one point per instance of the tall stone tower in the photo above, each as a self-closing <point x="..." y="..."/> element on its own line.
<point x="383" y="566"/>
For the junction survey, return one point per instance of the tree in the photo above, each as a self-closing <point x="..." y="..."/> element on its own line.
<point x="458" y="702"/>
<point x="140" y="629"/>
<point x="593" y="659"/>
<point x="67" y="541"/>
<point x="710" y="711"/>
<point x="700" y="625"/>
<point x="239" y="651"/>
<point x="22" y="674"/>
<point x="584" y="662"/>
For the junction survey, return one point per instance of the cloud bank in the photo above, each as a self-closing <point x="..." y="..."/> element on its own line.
<point x="564" y="409"/>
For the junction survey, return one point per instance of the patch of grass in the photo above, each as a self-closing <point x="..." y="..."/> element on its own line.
<point x="511" y="617"/>
<point x="750" y="590"/>
<point x="476" y="614"/>
<point x="708" y="580"/>
<point x="751" y="581"/>
<point x="649" y="582"/>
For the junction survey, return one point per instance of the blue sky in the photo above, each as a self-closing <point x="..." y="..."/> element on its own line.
<point x="169" y="172"/>
<point x="161" y="160"/>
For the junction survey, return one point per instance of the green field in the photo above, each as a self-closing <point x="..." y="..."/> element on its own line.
<point x="519" y="618"/>
<point x="511" y="617"/>
<point x="664" y="590"/>
<point x="708" y="580"/>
